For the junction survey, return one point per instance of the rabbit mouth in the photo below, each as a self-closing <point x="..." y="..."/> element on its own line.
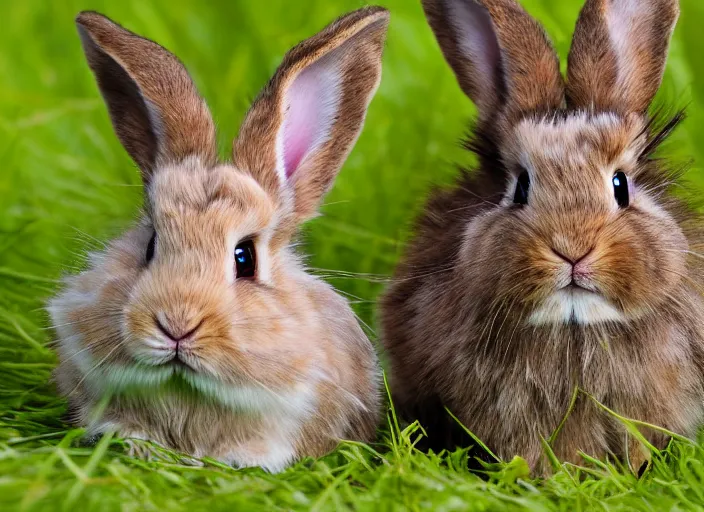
<point x="575" y="304"/>
<point x="181" y="365"/>
<point x="576" y="286"/>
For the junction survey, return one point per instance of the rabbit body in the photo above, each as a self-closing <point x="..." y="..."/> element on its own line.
<point x="199" y="329"/>
<point x="563" y="263"/>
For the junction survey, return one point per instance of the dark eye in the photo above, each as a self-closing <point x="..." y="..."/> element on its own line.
<point x="620" y="188"/>
<point x="245" y="259"/>
<point x="150" y="248"/>
<point x="522" y="186"/>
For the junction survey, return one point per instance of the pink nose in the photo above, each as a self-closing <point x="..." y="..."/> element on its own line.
<point x="581" y="270"/>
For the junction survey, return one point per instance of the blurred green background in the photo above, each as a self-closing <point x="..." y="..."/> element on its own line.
<point x="66" y="184"/>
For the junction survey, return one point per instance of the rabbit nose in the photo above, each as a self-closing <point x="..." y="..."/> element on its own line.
<point x="571" y="259"/>
<point x="174" y="331"/>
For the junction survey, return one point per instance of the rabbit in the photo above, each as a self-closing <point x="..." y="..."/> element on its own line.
<point x="562" y="264"/>
<point x="199" y="328"/>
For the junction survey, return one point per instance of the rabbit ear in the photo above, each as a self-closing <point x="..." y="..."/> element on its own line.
<point x="305" y="122"/>
<point x="154" y="106"/>
<point x="619" y="52"/>
<point x="501" y="56"/>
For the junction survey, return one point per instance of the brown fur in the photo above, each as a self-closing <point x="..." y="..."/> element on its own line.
<point x="595" y="76"/>
<point x="279" y="367"/>
<point x="132" y="72"/>
<point x="462" y="321"/>
<point x="527" y="77"/>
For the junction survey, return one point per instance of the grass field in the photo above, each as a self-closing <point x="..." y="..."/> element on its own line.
<point x="66" y="185"/>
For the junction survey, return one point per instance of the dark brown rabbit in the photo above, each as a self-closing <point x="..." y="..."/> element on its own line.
<point x="563" y="262"/>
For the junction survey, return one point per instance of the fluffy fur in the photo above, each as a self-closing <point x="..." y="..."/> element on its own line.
<point x="269" y="369"/>
<point x="481" y="316"/>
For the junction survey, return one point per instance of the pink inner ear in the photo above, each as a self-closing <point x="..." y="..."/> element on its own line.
<point x="477" y="39"/>
<point x="624" y="20"/>
<point x="300" y="121"/>
<point x="311" y="104"/>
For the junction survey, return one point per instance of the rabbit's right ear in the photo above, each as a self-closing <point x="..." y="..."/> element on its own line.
<point x="154" y="106"/>
<point x="501" y="56"/>
<point x="305" y="122"/>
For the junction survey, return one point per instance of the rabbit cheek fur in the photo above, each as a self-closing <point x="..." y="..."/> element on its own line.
<point x="160" y="339"/>
<point x="483" y="317"/>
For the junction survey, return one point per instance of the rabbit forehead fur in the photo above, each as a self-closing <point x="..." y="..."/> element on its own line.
<point x="201" y="213"/>
<point x="571" y="148"/>
<point x="571" y="161"/>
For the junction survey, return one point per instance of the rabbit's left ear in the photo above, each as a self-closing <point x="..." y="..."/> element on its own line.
<point x="619" y="52"/>
<point x="304" y="123"/>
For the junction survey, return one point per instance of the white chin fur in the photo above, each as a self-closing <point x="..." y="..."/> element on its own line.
<point x="575" y="306"/>
<point x="297" y="401"/>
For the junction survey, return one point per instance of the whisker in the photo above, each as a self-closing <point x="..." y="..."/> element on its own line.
<point x="95" y="367"/>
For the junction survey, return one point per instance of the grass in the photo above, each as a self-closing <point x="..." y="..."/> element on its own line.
<point x="66" y="185"/>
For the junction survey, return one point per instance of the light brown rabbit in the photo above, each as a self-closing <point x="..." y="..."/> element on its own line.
<point x="563" y="261"/>
<point x="199" y="329"/>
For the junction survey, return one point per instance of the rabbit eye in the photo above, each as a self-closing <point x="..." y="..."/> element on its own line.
<point x="620" y="182"/>
<point x="522" y="186"/>
<point x="245" y="259"/>
<point x="149" y="256"/>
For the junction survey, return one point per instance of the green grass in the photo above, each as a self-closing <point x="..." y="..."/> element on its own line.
<point x="66" y="185"/>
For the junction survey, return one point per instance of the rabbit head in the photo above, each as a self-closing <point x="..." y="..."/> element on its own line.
<point x="581" y="232"/>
